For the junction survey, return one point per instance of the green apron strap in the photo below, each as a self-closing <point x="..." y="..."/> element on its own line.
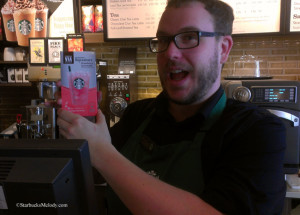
<point x="212" y="118"/>
<point x="216" y="112"/>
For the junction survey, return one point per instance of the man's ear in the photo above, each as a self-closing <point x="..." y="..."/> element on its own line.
<point x="226" y="45"/>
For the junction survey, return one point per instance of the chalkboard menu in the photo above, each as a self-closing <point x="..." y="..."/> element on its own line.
<point x="131" y="19"/>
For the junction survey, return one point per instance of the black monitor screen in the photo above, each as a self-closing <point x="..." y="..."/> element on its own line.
<point x="46" y="177"/>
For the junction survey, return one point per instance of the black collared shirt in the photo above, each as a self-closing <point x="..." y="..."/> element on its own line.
<point x="163" y="129"/>
<point x="242" y="154"/>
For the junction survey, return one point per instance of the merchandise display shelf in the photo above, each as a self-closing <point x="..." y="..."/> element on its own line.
<point x="13" y="62"/>
<point x="93" y="37"/>
<point x="15" y="84"/>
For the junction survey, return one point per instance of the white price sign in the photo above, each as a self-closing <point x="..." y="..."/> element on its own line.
<point x="295" y="16"/>
<point x="255" y="16"/>
<point x="133" y="18"/>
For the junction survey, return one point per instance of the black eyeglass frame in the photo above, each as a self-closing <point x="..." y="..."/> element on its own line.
<point x="173" y="38"/>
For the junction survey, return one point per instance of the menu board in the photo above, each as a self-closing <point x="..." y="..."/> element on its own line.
<point x="295" y="16"/>
<point x="132" y="18"/>
<point x="256" y="16"/>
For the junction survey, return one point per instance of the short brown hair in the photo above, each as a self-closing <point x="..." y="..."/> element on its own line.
<point x="221" y="12"/>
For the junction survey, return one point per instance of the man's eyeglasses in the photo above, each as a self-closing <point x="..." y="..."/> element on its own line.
<point x="184" y="40"/>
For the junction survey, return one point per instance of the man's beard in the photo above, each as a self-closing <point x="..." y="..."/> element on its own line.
<point x="206" y="79"/>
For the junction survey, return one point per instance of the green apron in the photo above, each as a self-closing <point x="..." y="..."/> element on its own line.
<point x="178" y="164"/>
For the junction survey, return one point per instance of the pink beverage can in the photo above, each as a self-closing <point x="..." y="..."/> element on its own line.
<point x="79" y="82"/>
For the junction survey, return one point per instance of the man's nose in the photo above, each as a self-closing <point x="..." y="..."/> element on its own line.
<point x="173" y="51"/>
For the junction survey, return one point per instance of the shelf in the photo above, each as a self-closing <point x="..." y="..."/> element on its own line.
<point x="13" y="62"/>
<point x="94" y="37"/>
<point x="8" y="43"/>
<point x="15" y="84"/>
<point x="91" y="2"/>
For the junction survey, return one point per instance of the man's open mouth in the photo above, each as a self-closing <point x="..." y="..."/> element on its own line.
<point x="178" y="75"/>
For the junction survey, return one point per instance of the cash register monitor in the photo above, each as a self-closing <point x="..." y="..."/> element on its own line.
<point x="46" y="177"/>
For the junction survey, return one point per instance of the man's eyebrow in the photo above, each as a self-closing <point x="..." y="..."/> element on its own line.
<point x="188" y="28"/>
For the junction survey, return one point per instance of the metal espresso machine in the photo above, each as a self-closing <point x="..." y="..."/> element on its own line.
<point x="41" y="119"/>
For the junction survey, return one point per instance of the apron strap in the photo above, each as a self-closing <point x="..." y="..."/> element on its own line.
<point x="215" y="113"/>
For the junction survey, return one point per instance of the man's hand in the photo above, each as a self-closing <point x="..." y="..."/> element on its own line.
<point x="74" y="126"/>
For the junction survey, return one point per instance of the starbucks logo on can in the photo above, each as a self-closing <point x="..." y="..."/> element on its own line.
<point x="11" y="25"/>
<point x="25" y="27"/>
<point x="39" y="24"/>
<point x="78" y="83"/>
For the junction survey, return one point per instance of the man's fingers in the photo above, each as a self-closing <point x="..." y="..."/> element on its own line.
<point x="66" y="115"/>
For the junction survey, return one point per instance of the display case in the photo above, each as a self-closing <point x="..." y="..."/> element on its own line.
<point x="6" y="65"/>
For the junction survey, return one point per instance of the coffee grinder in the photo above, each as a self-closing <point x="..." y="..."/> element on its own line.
<point x="118" y="88"/>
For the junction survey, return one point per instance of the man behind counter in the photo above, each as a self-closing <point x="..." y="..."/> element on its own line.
<point x="189" y="150"/>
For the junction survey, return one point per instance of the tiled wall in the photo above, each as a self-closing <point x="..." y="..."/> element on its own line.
<point x="146" y="68"/>
<point x="280" y="56"/>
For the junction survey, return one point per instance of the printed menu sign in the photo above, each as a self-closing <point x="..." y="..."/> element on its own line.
<point x="140" y="18"/>
<point x="132" y="18"/>
<point x="55" y="46"/>
<point x="255" y="16"/>
<point x="37" y="51"/>
<point x="62" y="20"/>
<point x="295" y="16"/>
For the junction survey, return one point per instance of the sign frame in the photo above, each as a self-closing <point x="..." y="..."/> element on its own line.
<point x="107" y="37"/>
<point x="76" y="38"/>
<point x="50" y="50"/>
<point x="282" y="20"/>
<point x="120" y="37"/>
<point x="288" y="19"/>
<point x="38" y="48"/>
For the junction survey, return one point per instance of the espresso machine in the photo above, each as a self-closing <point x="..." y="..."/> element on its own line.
<point x="40" y="119"/>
